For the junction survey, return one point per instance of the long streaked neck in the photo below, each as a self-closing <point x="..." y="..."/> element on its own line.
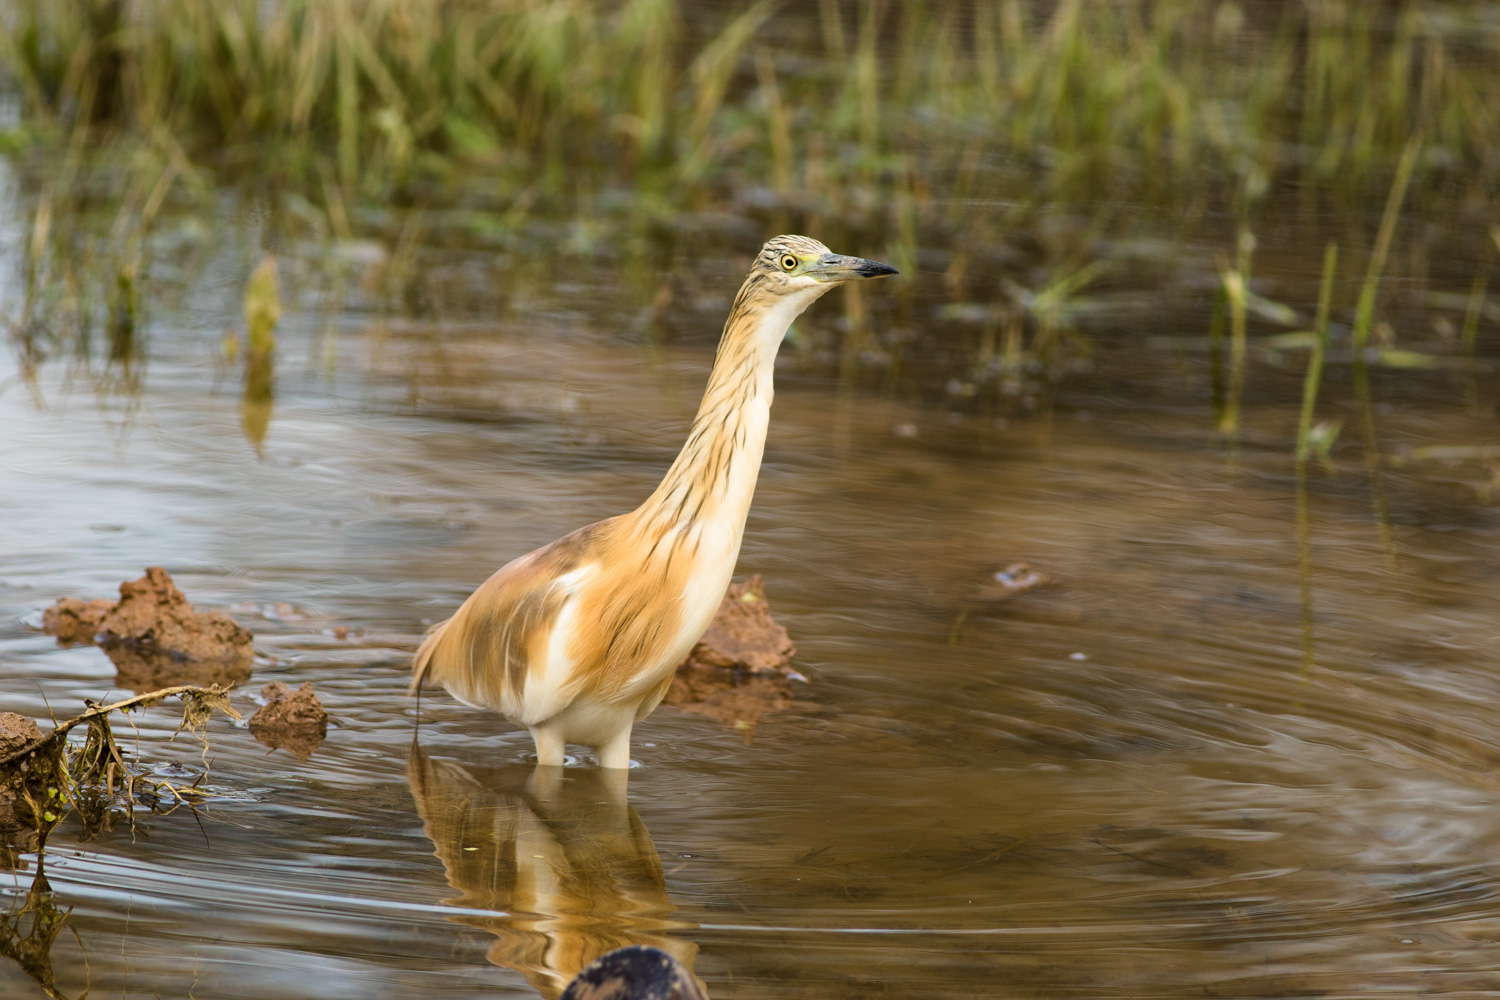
<point x="714" y="475"/>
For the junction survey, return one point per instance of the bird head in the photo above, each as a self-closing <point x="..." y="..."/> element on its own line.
<point x="788" y="264"/>
<point x="635" y="972"/>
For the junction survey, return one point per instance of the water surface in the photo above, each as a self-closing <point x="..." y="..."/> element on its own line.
<point x="1130" y="783"/>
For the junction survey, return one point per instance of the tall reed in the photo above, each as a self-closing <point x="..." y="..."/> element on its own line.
<point x="1306" y="443"/>
<point x="1363" y="317"/>
<point x="572" y="95"/>
<point x="925" y="125"/>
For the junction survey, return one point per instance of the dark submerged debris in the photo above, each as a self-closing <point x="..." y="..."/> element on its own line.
<point x="636" y="972"/>
<point x="290" y="720"/>
<point x="741" y="668"/>
<point x="154" y="637"/>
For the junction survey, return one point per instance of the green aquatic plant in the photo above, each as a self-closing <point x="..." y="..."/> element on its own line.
<point x="954" y="133"/>
<point x="262" y="312"/>
<point x="1236" y="282"/>
<point x="577" y="93"/>
<point x="1313" y="439"/>
<point x="1363" y="316"/>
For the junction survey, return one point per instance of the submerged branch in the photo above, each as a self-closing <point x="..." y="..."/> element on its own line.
<point x="44" y="779"/>
<point x="199" y="703"/>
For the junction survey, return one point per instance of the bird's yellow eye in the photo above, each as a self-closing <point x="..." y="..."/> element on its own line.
<point x="789" y="263"/>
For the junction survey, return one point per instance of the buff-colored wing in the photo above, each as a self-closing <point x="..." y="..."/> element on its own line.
<point x="500" y="637"/>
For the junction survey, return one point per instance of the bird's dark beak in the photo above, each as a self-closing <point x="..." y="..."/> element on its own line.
<point x="832" y="267"/>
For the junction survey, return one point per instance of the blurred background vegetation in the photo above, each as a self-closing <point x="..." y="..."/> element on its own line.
<point x="1052" y="178"/>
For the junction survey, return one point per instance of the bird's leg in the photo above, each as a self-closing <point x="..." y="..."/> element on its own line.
<point x="616" y="752"/>
<point x="550" y="747"/>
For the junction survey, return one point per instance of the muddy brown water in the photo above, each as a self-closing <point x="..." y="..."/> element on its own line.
<point x="1130" y="783"/>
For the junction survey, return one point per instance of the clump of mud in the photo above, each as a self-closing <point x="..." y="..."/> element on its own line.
<point x="743" y="635"/>
<point x="290" y="720"/>
<point x="18" y="822"/>
<point x="17" y="732"/>
<point x="741" y="668"/>
<point x="154" y="637"/>
<point x="72" y="620"/>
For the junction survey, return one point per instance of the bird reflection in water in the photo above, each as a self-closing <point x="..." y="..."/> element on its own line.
<point x="560" y="850"/>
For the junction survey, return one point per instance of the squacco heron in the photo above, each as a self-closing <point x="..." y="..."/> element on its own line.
<point x="578" y="640"/>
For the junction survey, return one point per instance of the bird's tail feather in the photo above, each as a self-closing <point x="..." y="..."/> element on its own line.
<point x="421" y="661"/>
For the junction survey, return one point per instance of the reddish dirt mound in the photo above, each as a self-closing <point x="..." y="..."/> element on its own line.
<point x="154" y="637"/>
<point x="17" y="732"/>
<point x="72" y="620"/>
<point x="743" y="636"/>
<point x="741" y="668"/>
<point x="290" y="720"/>
<point x="153" y="615"/>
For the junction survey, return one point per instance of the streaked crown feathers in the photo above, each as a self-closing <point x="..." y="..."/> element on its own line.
<point x="801" y="246"/>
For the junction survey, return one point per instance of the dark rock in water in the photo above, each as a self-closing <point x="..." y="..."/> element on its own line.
<point x="741" y="668"/>
<point x="154" y="637"/>
<point x="290" y="720"/>
<point x="635" y="973"/>
<point x="72" y="620"/>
